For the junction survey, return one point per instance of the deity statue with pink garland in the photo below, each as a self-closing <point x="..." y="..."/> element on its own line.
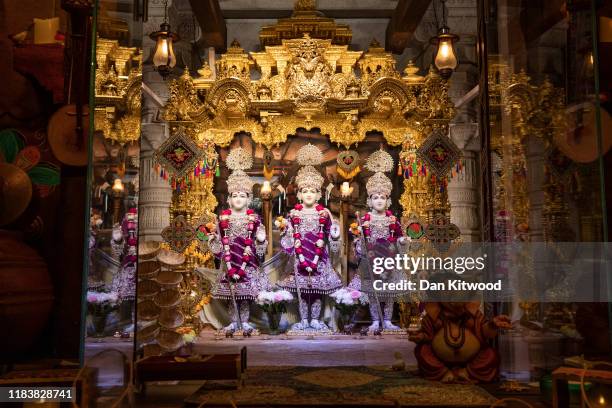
<point x="384" y="238"/>
<point x="239" y="242"/>
<point x="310" y="233"/>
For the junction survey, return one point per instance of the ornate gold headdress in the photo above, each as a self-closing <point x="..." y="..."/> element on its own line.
<point x="308" y="176"/>
<point x="239" y="160"/>
<point x="379" y="162"/>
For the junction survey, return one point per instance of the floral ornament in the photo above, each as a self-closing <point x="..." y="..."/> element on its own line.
<point x="203" y="302"/>
<point x="280" y="223"/>
<point x="44" y="176"/>
<point x="354" y="229"/>
<point x="236" y="273"/>
<point x="346" y="300"/>
<point x="393" y="227"/>
<point x="274" y="301"/>
<point x="189" y="335"/>
<point x="349" y="297"/>
<point x="203" y="228"/>
<point x="304" y="264"/>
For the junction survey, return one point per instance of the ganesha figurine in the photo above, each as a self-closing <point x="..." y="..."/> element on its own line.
<point x="453" y="342"/>
<point x="381" y="235"/>
<point x="310" y="233"/>
<point x="239" y="242"/>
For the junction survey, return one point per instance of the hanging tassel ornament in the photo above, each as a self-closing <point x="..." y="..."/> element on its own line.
<point x="217" y="171"/>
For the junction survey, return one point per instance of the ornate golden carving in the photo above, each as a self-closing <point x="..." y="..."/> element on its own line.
<point x="117" y="91"/>
<point x="308" y="83"/>
<point x="305" y="20"/>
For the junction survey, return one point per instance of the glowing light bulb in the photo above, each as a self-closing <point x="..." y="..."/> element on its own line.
<point x="164" y="52"/>
<point x="345" y="189"/>
<point x="163" y="55"/>
<point x="118" y="186"/>
<point x="445" y="58"/>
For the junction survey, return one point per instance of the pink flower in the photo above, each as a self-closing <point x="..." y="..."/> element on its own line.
<point x="226" y="212"/>
<point x="319" y="207"/>
<point x="299" y="207"/>
<point x="355" y="294"/>
<point x="278" y="297"/>
<point x="366" y="217"/>
<point x="388" y="213"/>
<point x="250" y="211"/>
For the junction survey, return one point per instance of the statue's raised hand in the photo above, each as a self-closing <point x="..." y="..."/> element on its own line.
<point x="335" y="231"/>
<point x="260" y="235"/>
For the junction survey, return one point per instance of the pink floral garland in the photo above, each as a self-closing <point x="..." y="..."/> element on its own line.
<point x="309" y="266"/>
<point x="236" y="273"/>
<point x="392" y="226"/>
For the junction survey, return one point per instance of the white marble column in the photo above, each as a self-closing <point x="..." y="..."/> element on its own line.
<point x="155" y="193"/>
<point x="463" y="189"/>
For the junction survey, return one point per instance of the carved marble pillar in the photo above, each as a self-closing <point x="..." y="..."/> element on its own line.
<point x="155" y="193"/>
<point x="463" y="188"/>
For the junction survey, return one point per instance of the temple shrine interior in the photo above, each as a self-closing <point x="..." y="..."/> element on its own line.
<point x="304" y="203"/>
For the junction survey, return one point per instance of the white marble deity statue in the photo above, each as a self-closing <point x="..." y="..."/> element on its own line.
<point x="383" y="233"/>
<point x="239" y="242"/>
<point x="309" y="233"/>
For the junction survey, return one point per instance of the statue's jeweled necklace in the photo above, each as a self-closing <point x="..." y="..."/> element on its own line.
<point x="237" y="274"/>
<point x="392" y="226"/>
<point x="304" y="264"/>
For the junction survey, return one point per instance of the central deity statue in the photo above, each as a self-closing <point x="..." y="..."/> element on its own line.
<point x="239" y="242"/>
<point x="383" y="237"/>
<point x="308" y="234"/>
